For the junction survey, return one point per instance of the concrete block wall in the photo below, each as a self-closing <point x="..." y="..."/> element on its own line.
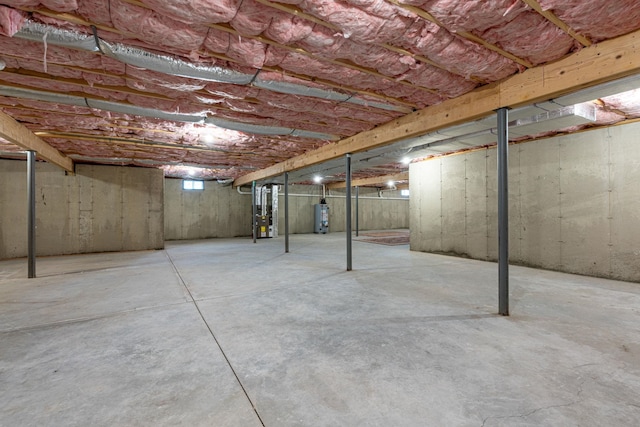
<point x="574" y="203"/>
<point x="216" y="211"/>
<point x="100" y="208"/>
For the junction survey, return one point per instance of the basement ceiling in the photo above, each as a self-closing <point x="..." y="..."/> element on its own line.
<point x="219" y="89"/>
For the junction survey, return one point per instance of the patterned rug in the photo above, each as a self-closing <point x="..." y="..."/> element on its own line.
<point x="390" y="238"/>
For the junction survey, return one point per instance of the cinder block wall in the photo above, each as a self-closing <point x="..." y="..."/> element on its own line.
<point x="574" y="203"/>
<point x="100" y="208"/>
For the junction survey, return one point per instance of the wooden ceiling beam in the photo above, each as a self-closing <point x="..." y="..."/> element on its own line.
<point x="550" y="16"/>
<point x="398" y="102"/>
<point x="228" y="29"/>
<point x="464" y="34"/>
<point x="18" y="134"/>
<point x="403" y="176"/>
<point x="599" y="63"/>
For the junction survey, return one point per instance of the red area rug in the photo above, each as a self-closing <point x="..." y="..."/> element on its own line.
<point x="390" y="238"/>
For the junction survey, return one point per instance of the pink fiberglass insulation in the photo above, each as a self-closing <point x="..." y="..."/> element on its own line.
<point x="181" y="84"/>
<point x="263" y="110"/>
<point x="322" y="41"/>
<point x="154" y="28"/>
<point x="252" y="18"/>
<point x="357" y="24"/>
<point x="57" y="5"/>
<point x="11" y="20"/>
<point x="58" y="55"/>
<point x="597" y="19"/>
<point x="471" y="15"/>
<point x="287" y="29"/>
<point x="46" y="106"/>
<point x="626" y="102"/>
<point x="446" y="49"/>
<point x="377" y="58"/>
<point x="200" y="11"/>
<point x="449" y="85"/>
<point x="531" y="37"/>
<point x="247" y="51"/>
<point x="6" y="146"/>
<point x="96" y="12"/>
<point x="151" y="89"/>
<point x="327" y="44"/>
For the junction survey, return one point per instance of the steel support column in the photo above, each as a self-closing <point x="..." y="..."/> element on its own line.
<point x="31" y="214"/>
<point x="348" y="209"/>
<point x="503" y="211"/>
<point x="357" y="211"/>
<point x="286" y="212"/>
<point x="254" y="211"/>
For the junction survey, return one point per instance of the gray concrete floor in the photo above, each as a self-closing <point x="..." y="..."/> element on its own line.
<point x="228" y="333"/>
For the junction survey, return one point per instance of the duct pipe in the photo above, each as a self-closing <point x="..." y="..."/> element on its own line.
<point x="348" y="209"/>
<point x="171" y="65"/>
<point x="31" y="214"/>
<point x="503" y="211"/>
<point x="286" y="212"/>
<point x="331" y="196"/>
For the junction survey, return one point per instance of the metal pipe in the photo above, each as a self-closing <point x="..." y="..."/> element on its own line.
<point x="254" y="211"/>
<point x="348" y="209"/>
<point x="286" y="212"/>
<point x="31" y="214"/>
<point x="357" y="211"/>
<point x="332" y="196"/>
<point x="503" y="211"/>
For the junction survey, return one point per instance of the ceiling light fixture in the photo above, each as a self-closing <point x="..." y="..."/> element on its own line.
<point x="317" y="179"/>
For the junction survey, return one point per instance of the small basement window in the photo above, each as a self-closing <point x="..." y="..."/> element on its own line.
<point x="192" y="184"/>
<point x="404" y="193"/>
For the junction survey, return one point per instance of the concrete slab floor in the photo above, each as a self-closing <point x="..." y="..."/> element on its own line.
<point x="225" y="332"/>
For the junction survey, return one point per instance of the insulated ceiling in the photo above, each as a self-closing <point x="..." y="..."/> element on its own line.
<point x="235" y="86"/>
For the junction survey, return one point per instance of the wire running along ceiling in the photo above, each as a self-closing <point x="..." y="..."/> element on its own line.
<point x="279" y="78"/>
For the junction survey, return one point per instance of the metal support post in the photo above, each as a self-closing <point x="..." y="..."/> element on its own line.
<point x="357" y="211"/>
<point x="348" y="209"/>
<point x="254" y="211"/>
<point x="286" y="212"/>
<point x="31" y="214"/>
<point x="503" y="211"/>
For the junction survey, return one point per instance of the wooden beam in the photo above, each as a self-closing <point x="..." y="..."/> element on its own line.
<point x="19" y="135"/>
<point x="398" y="102"/>
<point x="403" y="176"/>
<point x="550" y="16"/>
<point x="599" y="63"/>
<point x="465" y="34"/>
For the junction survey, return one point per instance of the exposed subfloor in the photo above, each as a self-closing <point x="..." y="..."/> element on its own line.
<point x="230" y="333"/>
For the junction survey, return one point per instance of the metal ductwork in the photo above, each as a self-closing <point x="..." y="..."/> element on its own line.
<point x="158" y="114"/>
<point x="545" y="121"/>
<point x="165" y="64"/>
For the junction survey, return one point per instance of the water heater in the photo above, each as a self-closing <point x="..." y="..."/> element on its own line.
<point x="321" y="218"/>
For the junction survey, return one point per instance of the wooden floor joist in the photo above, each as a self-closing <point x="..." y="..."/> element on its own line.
<point x="402" y="176"/>
<point x="599" y="63"/>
